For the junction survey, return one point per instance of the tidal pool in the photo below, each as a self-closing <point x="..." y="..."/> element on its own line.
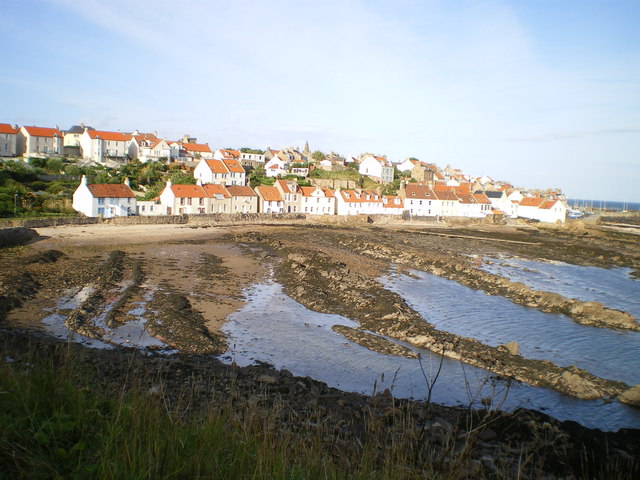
<point x="495" y="320"/>
<point x="273" y="328"/>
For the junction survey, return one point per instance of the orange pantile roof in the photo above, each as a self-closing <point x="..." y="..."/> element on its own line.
<point x="110" y="190"/>
<point x="212" y="190"/>
<point x="418" y="190"/>
<point x="531" y="202"/>
<point x="352" y="196"/>
<point x="110" y="136"/>
<point x="391" y="202"/>
<point x="6" y="128"/>
<point x="43" y="131"/>
<point x="445" y="193"/>
<point x="466" y="198"/>
<point x="188" y="191"/>
<point x="548" y="204"/>
<point x="233" y="165"/>
<point x="227" y="153"/>
<point x="197" y="147"/>
<point x="269" y="194"/>
<point x="240" y="191"/>
<point x="284" y="184"/>
<point x="308" y="191"/>
<point x="216" y="166"/>
<point x="481" y="198"/>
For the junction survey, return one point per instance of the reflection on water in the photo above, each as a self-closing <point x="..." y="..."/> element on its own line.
<point x="273" y="328"/>
<point x="613" y="287"/>
<point x="132" y="333"/>
<point x="496" y="320"/>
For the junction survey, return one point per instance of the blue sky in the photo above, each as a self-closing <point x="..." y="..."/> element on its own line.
<point x="543" y="93"/>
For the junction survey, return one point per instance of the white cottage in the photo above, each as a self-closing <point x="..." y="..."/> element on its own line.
<point x="8" y="140"/>
<point x="104" y="199"/>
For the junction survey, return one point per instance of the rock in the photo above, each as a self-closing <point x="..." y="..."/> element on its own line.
<point x="578" y="386"/>
<point x="631" y="396"/>
<point x="512" y="347"/>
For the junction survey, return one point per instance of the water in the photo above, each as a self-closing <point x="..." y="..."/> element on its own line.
<point x="495" y="320"/>
<point x="273" y="328"/>
<point x="614" y="288"/>
<point x="132" y="333"/>
<point x="604" y="204"/>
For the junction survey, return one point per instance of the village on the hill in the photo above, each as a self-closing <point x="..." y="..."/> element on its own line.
<point x="274" y="181"/>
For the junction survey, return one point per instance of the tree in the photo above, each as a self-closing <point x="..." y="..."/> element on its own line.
<point x="318" y="156"/>
<point x="54" y="165"/>
<point x="181" y="178"/>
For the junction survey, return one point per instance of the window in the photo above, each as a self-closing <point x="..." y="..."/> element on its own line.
<point x="181" y="201"/>
<point x="100" y="201"/>
<point x="100" y="211"/>
<point x="202" y="203"/>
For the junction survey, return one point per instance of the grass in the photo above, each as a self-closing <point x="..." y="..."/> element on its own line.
<point x="55" y="423"/>
<point x="60" y="419"/>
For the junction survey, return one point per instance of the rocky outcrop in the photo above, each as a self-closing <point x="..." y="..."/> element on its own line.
<point x="587" y="313"/>
<point x="326" y="285"/>
<point x="631" y="396"/>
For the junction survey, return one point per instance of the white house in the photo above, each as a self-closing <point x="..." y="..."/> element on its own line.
<point x="8" y="140"/>
<point x="226" y="153"/>
<point x="271" y="200"/>
<point x="420" y="200"/>
<point x="99" y="146"/>
<point x="251" y="158"/>
<point x="40" y="141"/>
<point x="148" y="148"/>
<point x="358" y="202"/>
<point x="221" y="172"/>
<point x="448" y="201"/>
<point x="407" y="165"/>
<point x="377" y="168"/>
<point x="552" y="211"/>
<point x="196" y="150"/>
<point x="184" y="199"/>
<point x="108" y="200"/>
<point x="317" y="201"/>
<point x="392" y="204"/>
<point x="274" y="170"/>
<point x="541" y="209"/>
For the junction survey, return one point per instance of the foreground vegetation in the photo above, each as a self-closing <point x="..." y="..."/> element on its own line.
<point x="61" y="417"/>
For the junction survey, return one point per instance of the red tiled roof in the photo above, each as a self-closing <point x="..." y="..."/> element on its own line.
<point x="212" y="190"/>
<point x="418" y="190"/>
<point x="391" y="202"/>
<point x="240" y="191"/>
<point x="6" y="128"/>
<point x="110" y="190"/>
<point x="216" y="166"/>
<point x="197" y="147"/>
<point x="227" y="153"/>
<point x="110" y="136"/>
<point x="444" y="192"/>
<point x="42" y="131"/>
<point x="531" y="202"/>
<point x="233" y="165"/>
<point x="481" y="198"/>
<point x="352" y="196"/>
<point x="269" y="194"/>
<point x="284" y="184"/>
<point x="548" y="204"/>
<point x="188" y="191"/>
<point x="308" y="191"/>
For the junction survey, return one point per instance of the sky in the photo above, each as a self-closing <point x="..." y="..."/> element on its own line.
<point x="540" y="93"/>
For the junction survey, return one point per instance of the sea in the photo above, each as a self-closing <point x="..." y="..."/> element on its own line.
<point x="606" y="205"/>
